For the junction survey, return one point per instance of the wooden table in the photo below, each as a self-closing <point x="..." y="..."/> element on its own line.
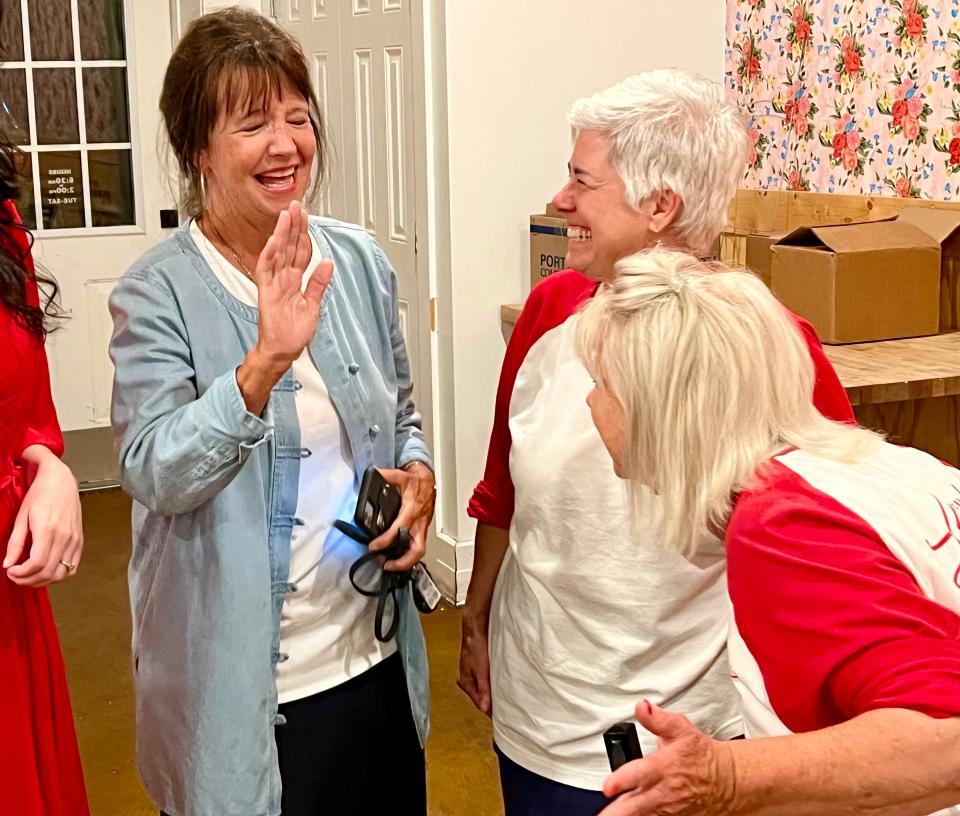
<point x="909" y="389"/>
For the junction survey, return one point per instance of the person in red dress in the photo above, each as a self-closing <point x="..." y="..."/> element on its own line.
<point x="40" y="528"/>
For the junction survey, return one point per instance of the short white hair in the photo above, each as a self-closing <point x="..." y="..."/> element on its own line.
<point x="672" y="130"/>
<point x="714" y="377"/>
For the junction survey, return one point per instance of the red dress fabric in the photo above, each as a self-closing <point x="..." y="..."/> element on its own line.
<point x="40" y="772"/>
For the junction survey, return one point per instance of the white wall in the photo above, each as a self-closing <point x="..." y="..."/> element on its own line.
<point x="512" y="69"/>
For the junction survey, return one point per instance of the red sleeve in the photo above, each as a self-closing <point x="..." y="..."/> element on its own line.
<point x="42" y="427"/>
<point x="549" y="304"/>
<point x="837" y="624"/>
<point x="829" y="395"/>
<point x="39" y="415"/>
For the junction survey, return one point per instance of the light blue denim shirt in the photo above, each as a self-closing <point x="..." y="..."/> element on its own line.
<point x="215" y="493"/>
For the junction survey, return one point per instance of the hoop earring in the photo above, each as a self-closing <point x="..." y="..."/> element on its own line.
<point x="203" y="193"/>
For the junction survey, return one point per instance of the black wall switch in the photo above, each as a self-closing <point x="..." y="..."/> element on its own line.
<point x="169" y="219"/>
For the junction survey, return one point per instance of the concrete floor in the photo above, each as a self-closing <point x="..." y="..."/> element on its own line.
<point x="94" y="620"/>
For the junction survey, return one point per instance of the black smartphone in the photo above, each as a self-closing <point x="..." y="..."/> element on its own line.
<point x="622" y="743"/>
<point x="378" y="504"/>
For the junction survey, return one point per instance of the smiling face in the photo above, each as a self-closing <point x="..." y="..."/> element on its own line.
<point x="602" y="227"/>
<point x="259" y="158"/>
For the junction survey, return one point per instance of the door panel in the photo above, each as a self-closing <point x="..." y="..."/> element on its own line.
<point x="360" y="55"/>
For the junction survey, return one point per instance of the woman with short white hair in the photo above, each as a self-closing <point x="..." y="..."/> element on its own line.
<point x="588" y="616"/>
<point x="843" y="555"/>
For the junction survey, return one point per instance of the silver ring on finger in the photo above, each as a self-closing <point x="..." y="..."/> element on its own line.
<point x="71" y="568"/>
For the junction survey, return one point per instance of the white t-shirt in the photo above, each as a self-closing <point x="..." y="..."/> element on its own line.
<point x="588" y="615"/>
<point x="326" y="626"/>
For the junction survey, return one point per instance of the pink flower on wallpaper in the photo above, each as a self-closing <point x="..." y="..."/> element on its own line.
<point x="848" y="67"/>
<point x="908" y="111"/>
<point x="758" y="147"/>
<point x="798" y="109"/>
<point x="948" y="142"/>
<point x="849" y="149"/>
<point x="862" y="94"/>
<point x="903" y="186"/>
<point x="748" y="66"/>
<point x="914" y="25"/>
<point x="800" y="30"/>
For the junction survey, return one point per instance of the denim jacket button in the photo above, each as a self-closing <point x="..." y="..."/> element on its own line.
<point x="374" y="430"/>
<point x="353" y="368"/>
<point x="305" y="453"/>
<point x="297" y="385"/>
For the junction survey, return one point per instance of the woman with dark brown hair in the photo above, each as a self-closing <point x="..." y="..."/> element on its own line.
<point x="40" y="773"/>
<point x="254" y="386"/>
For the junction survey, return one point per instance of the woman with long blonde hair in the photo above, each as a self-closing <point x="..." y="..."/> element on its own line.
<point x="843" y="555"/>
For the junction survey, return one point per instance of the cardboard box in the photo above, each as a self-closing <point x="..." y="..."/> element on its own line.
<point x="757" y="254"/>
<point x="943" y="226"/>
<point x="548" y="247"/>
<point x="858" y="282"/>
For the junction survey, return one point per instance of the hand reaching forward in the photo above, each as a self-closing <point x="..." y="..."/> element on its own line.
<point x="690" y="774"/>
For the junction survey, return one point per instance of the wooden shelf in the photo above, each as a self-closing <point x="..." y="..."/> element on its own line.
<point x="510" y="312"/>
<point x="898" y="370"/>
<point x="887" y="371"/>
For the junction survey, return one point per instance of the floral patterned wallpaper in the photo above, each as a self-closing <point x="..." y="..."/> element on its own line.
<point x="850" y="96"/>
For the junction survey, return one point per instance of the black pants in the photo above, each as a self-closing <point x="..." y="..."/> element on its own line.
<point x="353" y="749"/>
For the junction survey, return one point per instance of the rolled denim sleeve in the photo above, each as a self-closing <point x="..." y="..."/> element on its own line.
<point x="177" y="448"/>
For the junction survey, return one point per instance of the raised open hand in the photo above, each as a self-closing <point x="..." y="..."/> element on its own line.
<point x="288" y="316"/>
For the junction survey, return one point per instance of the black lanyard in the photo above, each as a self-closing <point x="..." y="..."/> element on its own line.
<point x="369" y="578"/>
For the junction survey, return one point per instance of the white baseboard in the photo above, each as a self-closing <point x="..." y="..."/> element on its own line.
<point x="450" y="563"/>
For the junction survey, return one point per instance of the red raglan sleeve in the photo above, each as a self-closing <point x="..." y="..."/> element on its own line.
<point x="547" y="306"/>
<point x="492" y="500"/>
<point x="837" y="624"/>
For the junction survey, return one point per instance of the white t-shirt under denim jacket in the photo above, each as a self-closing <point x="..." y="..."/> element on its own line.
<point x="216" y="495"/>
<point x="326" y="629"/>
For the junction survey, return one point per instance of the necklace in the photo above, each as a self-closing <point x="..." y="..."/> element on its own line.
<point x="216" y="234"/>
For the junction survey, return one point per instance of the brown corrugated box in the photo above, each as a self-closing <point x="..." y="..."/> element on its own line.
<point x="548" y="244"/>
<point x="858" y="282"/>
<point x="943" y="226"/>
<point x="757" y="255"/>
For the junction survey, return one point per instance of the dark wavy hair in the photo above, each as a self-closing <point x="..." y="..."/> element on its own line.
<point x="40" y="320"/>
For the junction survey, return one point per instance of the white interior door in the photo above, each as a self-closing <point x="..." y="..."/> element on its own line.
<point x="361" y="57"/>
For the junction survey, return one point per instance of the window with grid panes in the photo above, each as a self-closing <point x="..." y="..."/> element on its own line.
<point x="65" y="102"/>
